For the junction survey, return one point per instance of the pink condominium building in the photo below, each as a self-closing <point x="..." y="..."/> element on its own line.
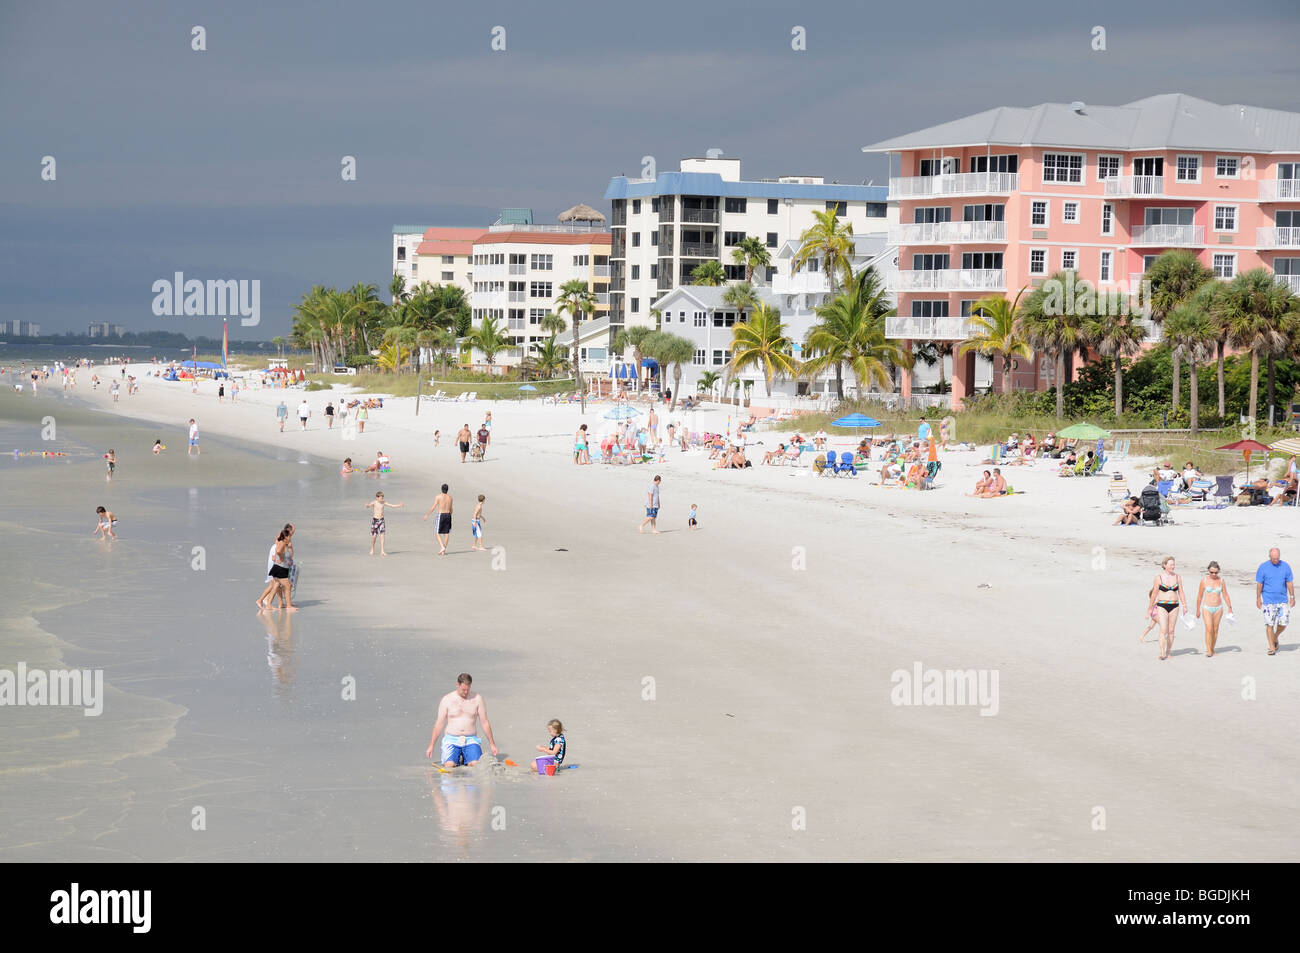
<point x="997" y="201"/>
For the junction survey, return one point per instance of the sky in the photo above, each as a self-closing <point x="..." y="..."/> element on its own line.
<point x="225" y="163"/>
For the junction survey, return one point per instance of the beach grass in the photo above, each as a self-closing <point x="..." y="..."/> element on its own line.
<point x="404" y="385"/>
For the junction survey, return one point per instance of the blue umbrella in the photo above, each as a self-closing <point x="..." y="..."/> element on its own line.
<point x="528" y="387"/>
<point x="856" y="421"/>
<point x="622" y="412"/>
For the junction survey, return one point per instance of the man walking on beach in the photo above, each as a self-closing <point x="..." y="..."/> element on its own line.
<point x="194" y="438"/>
<point x="1274" y="596"/>
<point x="329" y="414"/>
<point x="460" y="711"/>
<point x="484" y="435"/>
<point x="653" y="422"/>
<point x="442" y="506"/>
<point x="283" y="413"/>
<point x="651" y="507"/>
<point x="303" y="413"/>
<point x="462" y="438"/>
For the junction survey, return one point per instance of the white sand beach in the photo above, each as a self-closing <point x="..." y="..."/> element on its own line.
<point x="727" y="691"/>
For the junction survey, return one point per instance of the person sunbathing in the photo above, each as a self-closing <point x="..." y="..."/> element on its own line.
<point x="890" y="471"/>
<point x="915" y="474"/>
<point x="1130" y="514"/>
<point x="982" y="484"/>
<point x="999" y="485"/>
<point x="1288" y="495"/>
<point x="1068" y="465"/>
<point x="774" y="456"/>
<point x="1028" y="448"/>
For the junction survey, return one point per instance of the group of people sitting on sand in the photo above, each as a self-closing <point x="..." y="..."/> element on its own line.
<point x="990" y="485"/>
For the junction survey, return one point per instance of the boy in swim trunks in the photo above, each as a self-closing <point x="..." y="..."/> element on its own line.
<point x="111" y="457"/>
<point x="378" y="525"/>
<point x="106" y="521"/>
<point x="442" y="504"/>
<point x="476" y="525"/>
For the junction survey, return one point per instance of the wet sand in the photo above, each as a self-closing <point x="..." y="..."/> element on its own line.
<point x="770" y="635"/>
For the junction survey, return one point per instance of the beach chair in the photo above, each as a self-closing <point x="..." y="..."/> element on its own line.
<point x="1117" y="492"/>
<point x="831" y="466"/>
<point x="473" y="395"/>
<point x="1200" y="490"/>
<point x="819" y="463"/>
<point x="1223" y="487"/>
<point x="931" y="471"/>
<point x="1164" y="486"/>
<point x="846" y="464"/>
<point x="459" y="398"/>
<point x="1098" y="464"/>
<point x="791" y="455"/>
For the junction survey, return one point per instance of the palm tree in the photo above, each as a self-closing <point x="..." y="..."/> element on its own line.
<point x="1206" y="298"/>
<point x="1191" y="332"/>
<point x="847" y="333"/>
<point x="1174" y="277"/>
<point x="1260" y="316"/>
<point x="633" y="338"/>
<point x="548" y="357"/>
<point x="1055" y="334"/>
<point x="761" y="342"/>
<point x="753" y="254"/>
<point x="443" y="341"/>
<point x="674" y="350"/>
<point x="553" y="323"/>
<point x="576" y="300"/>
<point x="829" y="241"/>
<point x="370" y="309"/>
<point x="489" y="338"/>
<point x="996" y="328"/>
<point x="1115" y="336"/>
<point x="708" y="380"/>
<point x="742" y="297"/>
<point x="708" y="273"/>
<point x="278" y="341"/>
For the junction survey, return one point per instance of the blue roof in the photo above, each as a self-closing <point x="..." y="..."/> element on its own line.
<point x="710" y="183"/>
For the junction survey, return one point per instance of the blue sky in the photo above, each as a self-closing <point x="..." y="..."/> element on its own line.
<point x="225" y="163"/>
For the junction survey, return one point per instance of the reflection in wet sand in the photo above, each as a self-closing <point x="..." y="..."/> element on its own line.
<point x="462" y="799"/>
<point x="279" y="649"/>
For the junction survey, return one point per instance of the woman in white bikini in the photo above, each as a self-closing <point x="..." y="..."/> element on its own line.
<point x="1211" y="599"/>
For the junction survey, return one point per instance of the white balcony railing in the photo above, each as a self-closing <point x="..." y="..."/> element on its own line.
<point x="518" y="269"/>
<point x="928" y="329"/>
<point x="1291" y="281"/>
<point x="572" y="229"/>
<point x="1277" y="237"/>
<point x="602" y="297"/>
<point x="1121" y="185"/>
<point x="946" y="233"/>
<point x="957" y="183"/>
<point x="800" y="283"/>
<point x="518" y="297"/>
<point x="951" y="279"/>
<point x="1165" y="235"/>
<point x="1279" y="190"/>
<point x="600" y="271"/>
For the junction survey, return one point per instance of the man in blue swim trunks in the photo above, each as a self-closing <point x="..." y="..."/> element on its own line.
<point x="460" y="711"/>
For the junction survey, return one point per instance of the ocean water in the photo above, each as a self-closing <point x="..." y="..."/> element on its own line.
<point x="225" y="734"/>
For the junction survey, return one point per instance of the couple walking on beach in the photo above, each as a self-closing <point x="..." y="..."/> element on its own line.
<point x="1274" y="597"/>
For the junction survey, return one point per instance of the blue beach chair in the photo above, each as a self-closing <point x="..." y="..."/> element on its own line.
<point x="846" y="464"/>
<point x="831" y="465"/>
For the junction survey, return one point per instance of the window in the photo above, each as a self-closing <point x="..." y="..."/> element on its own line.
<point x="415" y="267"/>
<point x="1038" y="261"/>
<point x="875" y="210"/>
<point x="772" y="206"/>
<point x="945" y="165"/>
<point x="1107" y="219"/>
<point x="699" y="358"/>
<point x="636" y="272"/>
<point x="721" y="357"/>
<point x="1227" y="167"/>
<point x="654" y="204"/>
<point x="401" y="253"/>
<point x="929" y="262"/>
<point x="539" y="289"/>
<point x="1105" y="265"/>
<point x="449" y="259"/>
<point x="1070" y="213"/>
<point x="1038" y="213"/>
<point x="654" y="239"/>
<point x="734" y="205"/>
<point x="1286" y="266"/>
<point x="580" y="261"/>
<point x="535" y="315"/>
<point x="1189" y="169"/>
<point x="1008" y="163"/>
<point x="929" y="214"/>
<point x="732" y="238"/>
<point x="1069" y="259"/>
<point x="840" y="208"/>
<point x="515" y="319"/>
<point x="636" y="206"/>
<point x="771" y="239"/>
<point x="542" y="262"/>
<point x="1167" y="216"/>
<point x="448" y="276"/>
<point x="636" y="239"/>
<point x="1225" y="218"/>
<point x="654" y="271"/>
<point x="982" y="260"/>
<point x="1107" y="167"/>
<point x="813" y="265"/>
<point x="983" y="213"/>
<point x="635" y="305"/>
<point x="1225" y="266"/>
<point x="929" y="309"/>
<point x="1063" y="167"/>
<point x="734" y="272"/>
<point x="699" y="319"/>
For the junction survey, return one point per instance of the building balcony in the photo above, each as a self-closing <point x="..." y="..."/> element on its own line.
<point x="707" y="216"/>
<point x="800" y="283"/>
<point x="947" y="233"/>
<point x="951" y="279"/>
<point x="1277" y="237"/>
<point x="1279" y="190"/>
<point x="516" y="269"/>
<point x="602" y="297"/>
<point x="692" y="250"/>
<point x="1168" y="236"/>
<point x="1121" y="186"/>
<point x="1290" y="281"/>
<point x="928" y="329"/>
<point x="958" y="183"/>
<point x="517" y="297"/>
<point x="600" y="271"/>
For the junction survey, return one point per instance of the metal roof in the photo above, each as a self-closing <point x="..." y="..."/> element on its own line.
<point x="1166" y="121"/>
<point x="589" y="329"/>
<point x="709" y="297"/>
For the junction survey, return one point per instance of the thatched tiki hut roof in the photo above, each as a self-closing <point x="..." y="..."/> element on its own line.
<point x="581" y="213"/>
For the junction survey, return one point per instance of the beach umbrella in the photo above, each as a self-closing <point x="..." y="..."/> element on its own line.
<point x="581" y="213"/>
<point x="528" y="387"/>
<point x="1083" y="431"/>
<point x="1247" y="447"/>
<point x="856" y="421"/>
<point x="622" y="412"/>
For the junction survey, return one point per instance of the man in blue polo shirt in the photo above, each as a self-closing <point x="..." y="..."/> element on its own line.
<point x="1274" y="596"/>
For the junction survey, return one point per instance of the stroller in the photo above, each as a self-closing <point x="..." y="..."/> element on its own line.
<point x="476" y="451"/>
<point x="1154" y="508"/>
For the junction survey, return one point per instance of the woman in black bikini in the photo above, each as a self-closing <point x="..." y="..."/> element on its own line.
<point x="1166" y="599"/>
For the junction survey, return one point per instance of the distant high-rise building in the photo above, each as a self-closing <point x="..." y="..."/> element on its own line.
<point x="18" y="328"/>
